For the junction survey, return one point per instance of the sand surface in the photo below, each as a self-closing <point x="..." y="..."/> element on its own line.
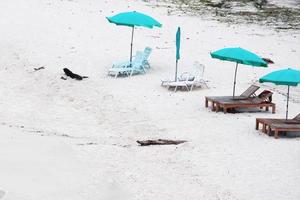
<point x="68" y="139"/>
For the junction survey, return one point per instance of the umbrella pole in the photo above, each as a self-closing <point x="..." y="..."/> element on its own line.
<point x="131" y="45"/>
<point x="236" y="67"/>
<point x="176" y="70"/>
<point x="287" y="103"/>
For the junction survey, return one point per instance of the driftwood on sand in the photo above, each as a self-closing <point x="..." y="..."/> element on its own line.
<point x="159" y="142"/>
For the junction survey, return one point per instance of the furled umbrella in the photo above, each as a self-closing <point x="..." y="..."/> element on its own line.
<point x="239" y="56"/>
<point x="133" y="19"/>
<point x="288" y="77"/>
<point x="178" y="35"/>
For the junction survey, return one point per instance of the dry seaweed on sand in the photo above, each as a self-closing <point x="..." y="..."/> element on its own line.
<point x="261" y="12"/>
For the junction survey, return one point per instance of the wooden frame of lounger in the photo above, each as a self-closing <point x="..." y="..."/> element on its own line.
<point x="277" y="125"/>
<point x="225" y="103"/>
<point x="283" y="127"/>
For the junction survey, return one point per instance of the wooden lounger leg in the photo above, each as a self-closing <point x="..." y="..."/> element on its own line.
<point x="256" y="125"/>
<point x="273" y="109"/>
<point x="267" y="108"/>
<point x="206" y="102"/>
<point x="217" y="107"/>
<point x="225" y="109"/>
<point x="264" y="129"/>
<point x="213" y="106"/>
<point x="276" y="134"/>
<point x="269" y="131"/>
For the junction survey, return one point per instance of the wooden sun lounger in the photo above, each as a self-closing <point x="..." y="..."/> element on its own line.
<point x="277" y="125"/>
<point x="227" y="103"/>
<point x="267" y="122"/>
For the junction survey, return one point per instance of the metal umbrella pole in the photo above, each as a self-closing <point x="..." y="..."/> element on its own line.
<point x="131" y="45"/>
<point x="234" y="83"/>
<point x="287" y="103"/>
<point x="176" y="70"/>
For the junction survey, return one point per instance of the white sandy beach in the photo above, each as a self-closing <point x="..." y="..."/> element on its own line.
<point x="74" y="140"/>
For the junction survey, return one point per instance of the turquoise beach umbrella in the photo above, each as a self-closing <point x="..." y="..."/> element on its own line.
<point x="289" y="77"/>
<point x="178" y="35"/>
<point x="240" y="56"/>
<point x="133" y="19"/>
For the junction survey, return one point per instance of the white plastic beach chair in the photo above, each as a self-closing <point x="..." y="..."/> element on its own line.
<point x="180" y="83"/>
<point x="188" y="80"/>
<point x="128" y="69"/>
<point x="137" y="66"/>
<point x="146" y="53"/>
<point x="198" y="74"/>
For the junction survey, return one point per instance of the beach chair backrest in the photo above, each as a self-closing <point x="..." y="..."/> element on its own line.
<point x="198" y="70"/>
<point x="250" y="91"/>
<point x="147" y="52"/>
<point x="138" y="57"/>
<point x="137" y="62"/>
<point x="297" y="117"/>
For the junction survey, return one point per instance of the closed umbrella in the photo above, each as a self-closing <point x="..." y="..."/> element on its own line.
<point x="288" y="77"/>
<point x="178" y="35"/>
<point x="239" y="56"/>
<point x="133" y="19"/>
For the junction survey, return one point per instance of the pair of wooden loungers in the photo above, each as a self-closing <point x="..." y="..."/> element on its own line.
<point x="270" y="125"/>
<point x="247" y="99"/>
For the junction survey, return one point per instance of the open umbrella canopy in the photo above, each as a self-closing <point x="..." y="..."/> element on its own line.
<point x="239" y="55"/>
<point x="290" y="77"/>
<point x="133" y="19"/>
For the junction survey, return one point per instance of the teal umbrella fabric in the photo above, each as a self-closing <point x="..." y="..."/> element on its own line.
<point x="288" y="77"/>
<point x="133" y="19"/>
<point x="178" y="35"/>
<point x="239" y="56"/>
